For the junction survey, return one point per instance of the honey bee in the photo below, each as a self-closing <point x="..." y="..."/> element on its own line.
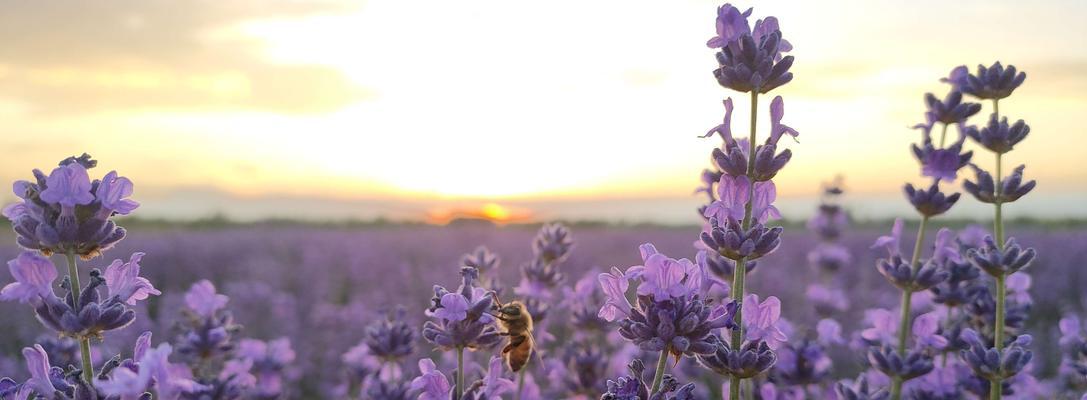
<point x="516" y="323"/>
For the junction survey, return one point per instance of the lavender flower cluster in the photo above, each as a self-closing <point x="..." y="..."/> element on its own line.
<point x="666" y="328"/>
<point x="67" y="213"/>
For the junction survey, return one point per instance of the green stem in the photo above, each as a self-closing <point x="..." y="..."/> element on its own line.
<point x="995" y="388"/>
<point x="84" y="342"/>
<point x="738" y="275"/>
<point x="658" y="376"/>
<point x="460" y="372"/>
<point x="943" y="136"/>
<point x="907" y="295"/>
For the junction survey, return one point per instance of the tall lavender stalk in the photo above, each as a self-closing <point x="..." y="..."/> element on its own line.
<point x="999" y="258"/>
<point x="941" y="163"/>
<point x="750" y="60"/>
<point x="66" y="213"/>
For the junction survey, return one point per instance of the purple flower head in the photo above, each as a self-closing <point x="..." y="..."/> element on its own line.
<point x="203" y="300"/>
<point x="1000" y="260"/>
<point x="663" y="277"/>
<point x="777" y="112"/>
<point x="930" y="202"/>
<point x="994" y="82"/>
<point x="475" y="328"/>
<point x="893" y="241"/>
<point x="751" y="359"/>
<point x="945" y="248"/>
<point x="68" y="185"/>
<point x="731" y="25"/>
<point x="925" y="328"/>
<point x="829" y="332"/>
<point x="734" y="194"/>
<point x="951" y="110"/>
<point x="270" y="363"/>
<point x="828" y="222"/>
<point x="682" y="325"/>
<point x="481" y="259"/>
<point x="827" y="301"/>
<point x="725" y="128"/>
<point x="454" y="308"/>
<point x="112" y="192"/>
<point x="62" y="212"/>
<point x="390" y="339"/>
<point x="998" y="136"/>
<point x="900" y="273"/>
<point x="1011" y="187"/>
<point x="37" y="361"/>
<point x="860" y="390"/>
<point x="124" y="280"/>
<point x="884" y="327"/>
<point x="990" y="363"/>
<point x="887" y="360"/>
<point x="88" y="318"/>
<point x="493" y="385"/>
<point x="760" y="320"/>
<point x="799" y="364"/>
<point x="553" y="243"/>
<point x="614" y="285"/>
<point x="432" y="384"/>
<point x="734" y="242"/>
<point x="830" y="257"/>
<point x="34" y="276"/>
<point x="750" y="60"/>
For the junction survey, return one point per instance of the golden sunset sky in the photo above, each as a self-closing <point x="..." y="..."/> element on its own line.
<point x="578" y="109"/>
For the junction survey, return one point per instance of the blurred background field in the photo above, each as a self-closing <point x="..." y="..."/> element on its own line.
<point x="320" y="285"/>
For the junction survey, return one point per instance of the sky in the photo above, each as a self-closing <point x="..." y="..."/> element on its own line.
<point x="509" y="109"/>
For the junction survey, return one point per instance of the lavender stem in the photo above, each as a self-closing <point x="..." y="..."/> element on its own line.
<point x="658" y="376"/>
<point x="460" y="372"/>
<point x="995" y="387"/>
<point x="84" y="343"/>
<point x="904" y="321"/>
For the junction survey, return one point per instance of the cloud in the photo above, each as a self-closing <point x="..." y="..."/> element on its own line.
<point x="76" y="57"/>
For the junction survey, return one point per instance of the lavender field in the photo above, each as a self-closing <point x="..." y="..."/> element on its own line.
<point x="472" y="201"/>
<point x="323" y="287"/>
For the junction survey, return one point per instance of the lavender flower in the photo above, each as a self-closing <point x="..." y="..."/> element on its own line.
<point x="462" y="319"/>
<point x="733" y="192"/>
<point x="553" y="243"/>
<point x="124" y="281"/>
<point x="750" y="59"/>
<point x="1000" y="260"/>
<point x="910" y="365"/>
<point x="1011" y="187"/>
<point x="993" y="364"/>
<point x="951" y="110"/>
<point x="994" y="82"/>
<point x="270" y="361"/>
<point x="734" y="242"/>
<point x="998" y="136"/>
<point x="930" y="202"/>
<point x="751" y="359"/>
<point x="493" y="385"/>
<point x="631" y="387"/>
<point x="860" y="390"/>
<point x="671" y="313"/>
<point x="207" y="330"/>
<point x="432" y="384"/>
<point x="34" y="276"/>
<point x="65" y="211"/>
